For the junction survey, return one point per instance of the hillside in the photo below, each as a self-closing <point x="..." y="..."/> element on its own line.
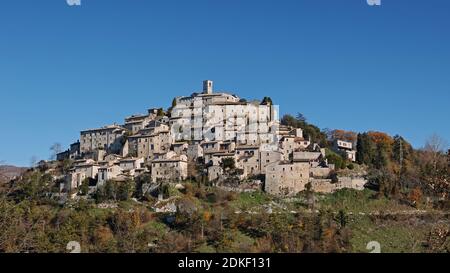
<point x="198" y="218"/>
<point x="8" y="172"/>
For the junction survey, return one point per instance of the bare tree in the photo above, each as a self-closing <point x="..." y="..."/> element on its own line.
<point x="435" y="147"/>
<point x="55" y="149"/>
<point x="2" y="176"/>
<point x="436" y="144"/>
<point x="33" y="161"/>
<point x="435" y="157"/>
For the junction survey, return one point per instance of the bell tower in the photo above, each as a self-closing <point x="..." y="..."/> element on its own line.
<point x="207" y="87"/>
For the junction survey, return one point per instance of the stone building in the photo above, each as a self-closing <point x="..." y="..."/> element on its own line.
<point x="106" y="173"/>
<point x="206" y="127"/>
<point x="109" y="138"/>
<point x="72" y="153"/>
<point x="130" y="165"/>
<point x="82" y="169"/>
<point x="269" y="157"/>
<point x="194" y="152"/>
<point x="285" y="178"/>
<point x="135" y="123"/>
<point x="174" y="169"/>
<point x="209" y="116"/>
<point x="148" y="143"/>
<point x="248" y="159"/>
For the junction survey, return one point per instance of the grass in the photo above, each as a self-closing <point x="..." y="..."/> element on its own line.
<point x="173" y="191"/>
<point x="205" y="248"/>
<point x="156" y="227"/>
<point x="250" y="200"/>
<point x="393" y="236"/>
<point x="359" y="201"/>
<point x="242" y="242"/>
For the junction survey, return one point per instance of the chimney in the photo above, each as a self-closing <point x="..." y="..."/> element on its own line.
<point x="207" y="87"/>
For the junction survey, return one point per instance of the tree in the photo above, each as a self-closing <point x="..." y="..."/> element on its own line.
<point x="228" y="163"/>
<point x="2" y="175"/>
<point x="448" y="160"/>
<point x="174" y="102"/>
<point x="84" y="188"/>
<point x="124" y="190"/>
<point x="310" y="199"/>
<point x="436" y="144"/>
<point x="381" y="159"/>
<point x="435" y="167"/>
<point x="415" y="196"/>
<point x="402" y="154"/>
<point x="344" y="135"/>
<point x="138" y="184"/>
<point x="267" y="101"/>
<point x="374" y="149"/>
<point x="169" y="110"/>
<point x="108" y="192"/>
<point x="335" y="159"/>
<point x="33" y="161"/>
<point x="55" y="150"/>
<point x="380" y="137"/>
<point x="289" y="120"/>
<point x="301" y="118"/>
<point x="342" y="219"/>
<point x="383" y="181"/>
<point x="309" y="130"/>
<point x="161" y="112"/>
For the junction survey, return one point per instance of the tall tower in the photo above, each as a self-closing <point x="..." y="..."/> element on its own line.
<point x="207" y="87"/>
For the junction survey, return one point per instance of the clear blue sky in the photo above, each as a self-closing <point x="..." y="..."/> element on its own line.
<point x="342" y="63"/>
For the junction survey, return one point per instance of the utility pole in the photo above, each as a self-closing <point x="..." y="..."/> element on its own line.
<point x="400" y="173"/>
<point x="401" y="154"/>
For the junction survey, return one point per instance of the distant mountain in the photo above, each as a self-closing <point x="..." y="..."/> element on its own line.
<point x="9" y="172"/>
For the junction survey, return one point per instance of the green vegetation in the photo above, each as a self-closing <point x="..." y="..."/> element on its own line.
<point x="406" y="208"/>
<point x="310" y="131"/>
<point x="209" y="219"/>
<point x="266" y="101"/>
<point x="248" y="201"/>
<point x="336" y="159"/>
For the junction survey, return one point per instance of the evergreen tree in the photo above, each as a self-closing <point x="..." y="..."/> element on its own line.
<point x="174" y="102"/>
<point x="267" y="101"/>
<point x="365" y="149"/>
<point x="381" y="159"/>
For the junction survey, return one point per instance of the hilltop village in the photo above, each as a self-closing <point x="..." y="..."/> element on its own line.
<point x="226" y="140"/>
